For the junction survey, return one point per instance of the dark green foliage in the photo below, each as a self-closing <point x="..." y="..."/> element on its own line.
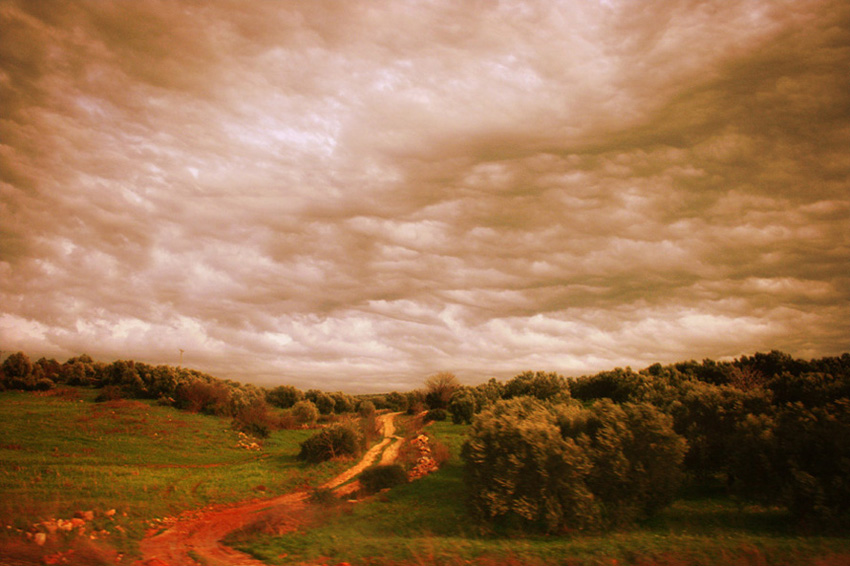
<point x="708" y="416"/>
<point x="305" y="412"/>
<point x="619" y="385"/>
<point x="543" y="386"/>
<point x="324" y="402"/>
<point x="415" y="402"/>
<point x="635" y="456"/>
<point x="284" y="396"/>
<point x="538" y="468"/>
<point x="436" y="415"/>
<point x="366" y="409"/>
<point x="521" y="472"/>
<point x="342" y="403"/>
<point x="396" y="401"/>
<point x="800" y="458"/>
<point x="462" y="406"/>
<point x="380" y="477"/>
<point x="331" y="442"/>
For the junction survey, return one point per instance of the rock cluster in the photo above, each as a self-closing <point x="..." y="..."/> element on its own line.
<point x="247" y="442"/>
<point x="425" y="463"/>
<point x="77" y="524"/>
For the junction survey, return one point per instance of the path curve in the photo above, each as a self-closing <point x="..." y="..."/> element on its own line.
<point x="201" y="535"/>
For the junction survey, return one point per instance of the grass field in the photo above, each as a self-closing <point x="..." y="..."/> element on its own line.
<point x="425" y="522"/>
<point x="63" y="453"/>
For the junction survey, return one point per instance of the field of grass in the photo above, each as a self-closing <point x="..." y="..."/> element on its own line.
<point x="63" y="453"/>
<point x="426" y="522"/>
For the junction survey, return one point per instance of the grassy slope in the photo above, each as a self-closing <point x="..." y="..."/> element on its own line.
<point x="60" y="454"/>
<point x="426" y="523"/>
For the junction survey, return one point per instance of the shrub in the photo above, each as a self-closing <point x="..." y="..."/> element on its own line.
<point x="436" y="415"/>
<point x="305" y="412"/>
<point x="366" y="409"/>
<point x="255" y="419"/>
<point x="462" y="407"/>
<point x="284" y="396"/>
<point x="331" y="442"/>
<point x="380" y="477"/>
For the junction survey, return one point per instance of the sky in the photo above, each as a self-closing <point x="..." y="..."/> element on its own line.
<point x="356" y="195"/>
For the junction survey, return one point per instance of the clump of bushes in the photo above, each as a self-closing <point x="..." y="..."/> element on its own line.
<point x="380" y="477"/>
<point x="436" y="415"/>
<point x="534" y="467"/>
<point x="331" y="442"/>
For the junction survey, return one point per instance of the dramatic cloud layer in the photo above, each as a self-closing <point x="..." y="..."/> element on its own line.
<point x="354" y="195"/>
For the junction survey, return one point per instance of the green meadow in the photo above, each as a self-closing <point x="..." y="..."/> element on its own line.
<point x="62" y="453"/>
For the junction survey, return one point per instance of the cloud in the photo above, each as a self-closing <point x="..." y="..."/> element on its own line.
<point x="353" y="196"/>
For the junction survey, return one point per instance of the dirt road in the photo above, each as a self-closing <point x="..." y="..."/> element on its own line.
<point x="198" y="537"/>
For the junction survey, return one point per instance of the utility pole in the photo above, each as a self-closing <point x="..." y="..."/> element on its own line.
<point x="181" y="355"/>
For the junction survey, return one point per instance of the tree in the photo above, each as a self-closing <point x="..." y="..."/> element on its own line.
<point x="551" y="468"/>
<point x="17" y="369"/>
<point x="284" y="396"/>
<point x="521" y="472"/>
<point x="439" y="388"/>
<point x="544" y="386"/>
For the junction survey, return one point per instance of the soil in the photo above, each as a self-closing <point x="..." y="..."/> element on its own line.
<point x="196" y="536"/>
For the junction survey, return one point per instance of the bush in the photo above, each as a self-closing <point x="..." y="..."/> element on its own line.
<point x="331" y="442"/>
<point x="255" y="419"/>
<point x="380" y="477"/>
<point x="435" y="415"/>
<point x="284" y="396"/>
<point x="305" y="412"/>
<point x="534" y="467"/>
<point x="462" y="407"/>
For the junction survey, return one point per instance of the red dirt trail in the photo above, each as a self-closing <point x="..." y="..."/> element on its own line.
<point x="201" y="532"/>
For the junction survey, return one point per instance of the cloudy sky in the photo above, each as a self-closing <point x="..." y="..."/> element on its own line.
<point x="355" y="195"/>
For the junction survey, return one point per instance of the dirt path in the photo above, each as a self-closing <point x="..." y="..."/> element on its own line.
<point x="199" y="535"/>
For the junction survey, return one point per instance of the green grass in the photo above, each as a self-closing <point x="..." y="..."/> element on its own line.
<point x="426" y="522"/>
<point x="65" y="453"/>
